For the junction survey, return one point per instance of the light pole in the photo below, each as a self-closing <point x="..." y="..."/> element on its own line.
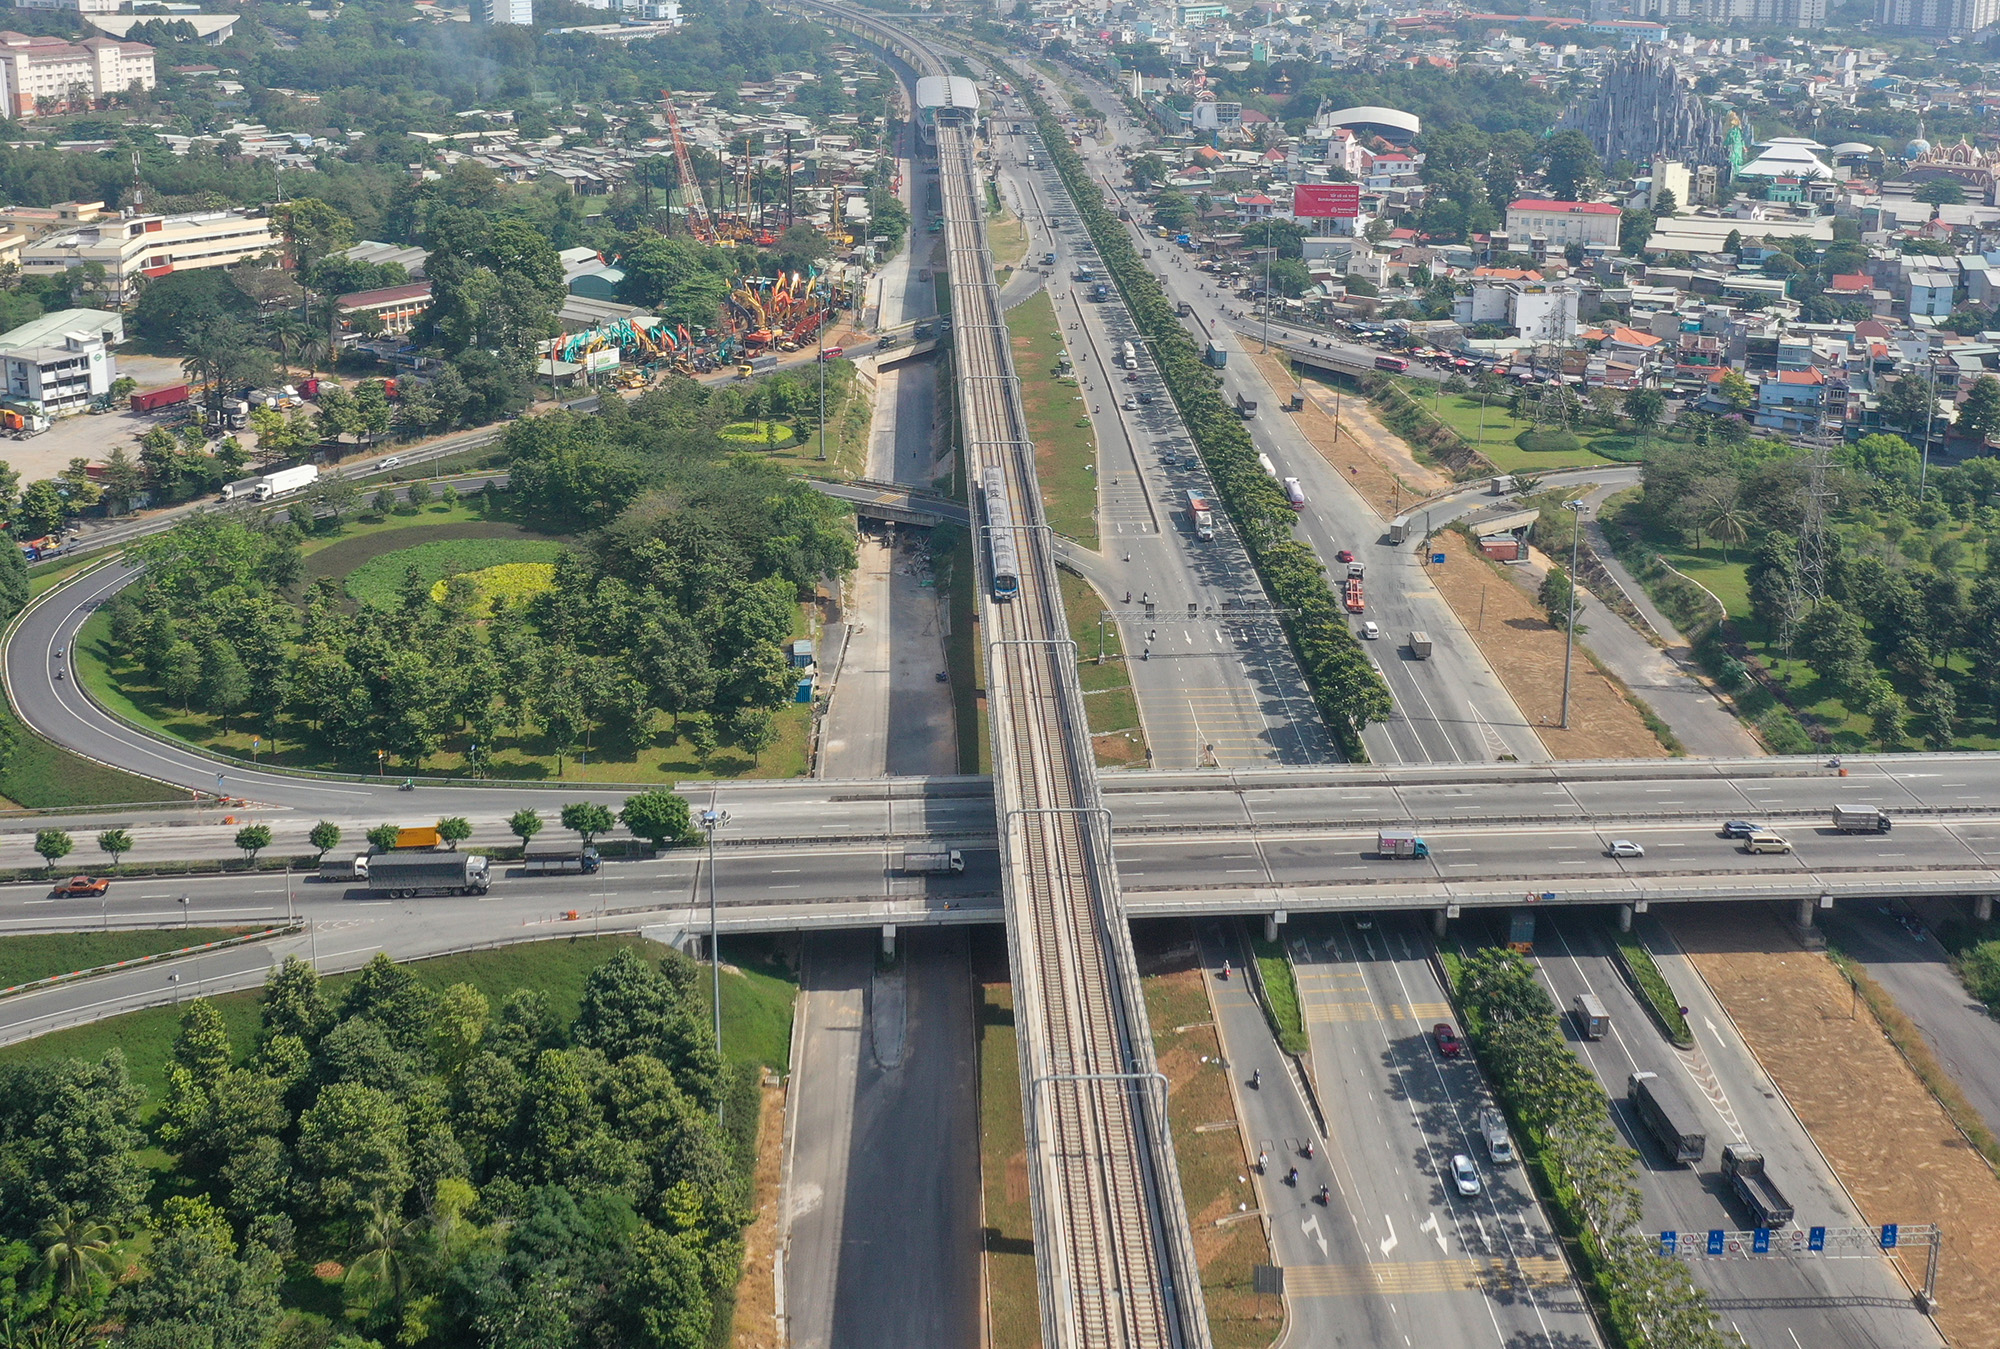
<point x="821" y="331"/>
<point x="186" y="912"/>
<point x="712" y="820"/>
<point x="1575" y="508"/>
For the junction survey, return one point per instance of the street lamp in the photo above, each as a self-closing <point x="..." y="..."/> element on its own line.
<point x="1576" y="509"/>
<point x="186" y="912"/>
<point x="712" y="820"/>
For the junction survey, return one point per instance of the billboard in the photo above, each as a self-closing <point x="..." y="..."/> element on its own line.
<point x="596" y="361"/>
<point x="1326" y="201"/>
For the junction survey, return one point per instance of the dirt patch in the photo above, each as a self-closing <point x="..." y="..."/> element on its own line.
<point x="1377" y="463"/>
<point x="1215" y="1173"/>
<point x="1900" y="1157"/>
<point x="1526" y="651"/>
<point x="756" y="1322"/>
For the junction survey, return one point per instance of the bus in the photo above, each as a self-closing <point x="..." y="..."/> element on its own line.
<point x="1395" y="363"/>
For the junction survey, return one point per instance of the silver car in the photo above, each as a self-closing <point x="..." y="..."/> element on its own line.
<point x="1624" y="847"/>
<point x="1466" y="1174"/>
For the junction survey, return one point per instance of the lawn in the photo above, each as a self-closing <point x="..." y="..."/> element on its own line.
<point x="1065" y="445"/>
<point x="759" y="986"/>
<point x="379" y="580"/>
<point x="1012" y="1293"/>
<point x="42" y="955"/>
<point x="759" y="435"/>
<point x="37" y="774"/>
<point x="850" y="416"/>
<point x="1492" y="432"/>
<point x="557" y="966"/>
<point x="1115" y="730"/>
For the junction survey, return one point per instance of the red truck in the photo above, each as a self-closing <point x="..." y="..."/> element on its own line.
<point x="1354" y="604"/>
<point x="156" y="399"/>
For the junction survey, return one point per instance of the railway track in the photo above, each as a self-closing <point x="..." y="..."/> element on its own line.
<point x="1115" y="1258"/>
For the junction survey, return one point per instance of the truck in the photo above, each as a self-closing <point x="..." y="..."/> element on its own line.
<point x="1295" y="495"/>
<point x="1502" y="484"/>
<point x="286" y="481"/>
<point x="1752" y="1182"/>
<point x="1101" y="292"/>
<point x="353" y="868"/>
<point x="1667" y="1116"/>
<point x="418" y="836"/>
<point x="1420" y="644"/>
<point x="1493" y="1132"/>
<point x="1201" y="515"/>
<point x="404" y="875"/>
<point x="1049" y="258"/>
<point x="242" y="489"/>
<point x="1129" y="357"/>
<point x="1402" y="843"/>
<point x="1356" y="570"/>
<point x="1182" y="308"/>
<point x="1591" y="1018"/>
<point x="1399" y="529"/>
<point x="559" y="858"/>
<point x="1521" y="932"/>
<point x="1860" y="820"/>
<point x="1216" y="356"/>
<point x="1351" y="596"/>
<point x="933" y="862"/>
<point x="1246" y="408"/>
<point x="155" y="399"/>
<point x="763" y="364"/>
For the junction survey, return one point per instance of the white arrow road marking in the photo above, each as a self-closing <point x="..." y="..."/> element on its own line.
<point x="1389" y="1243"/>
<point x="1311" y="1228"/>
<point x="1713" y="1029"/>
<point x="1430" y="1225"/>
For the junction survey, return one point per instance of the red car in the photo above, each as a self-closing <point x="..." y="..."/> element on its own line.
<point x="1344" y="555"/>
<point x="77" y="887"/>
<point x="1447" y="1039"/>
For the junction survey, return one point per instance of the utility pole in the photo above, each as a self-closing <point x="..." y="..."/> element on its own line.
<point x="712" y="820"/>
<point x="820" y="340"/>
<point x="1575" y="508"/>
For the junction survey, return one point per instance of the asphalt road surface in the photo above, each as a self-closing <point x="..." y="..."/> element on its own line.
<point x="1775" y="1300"/>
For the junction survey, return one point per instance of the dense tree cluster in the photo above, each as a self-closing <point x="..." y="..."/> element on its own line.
<point x="463" y="1174"/>
<point x="680" y="603"/>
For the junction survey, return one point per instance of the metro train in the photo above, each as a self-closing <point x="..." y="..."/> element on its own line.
<point x="1001" y="542"/>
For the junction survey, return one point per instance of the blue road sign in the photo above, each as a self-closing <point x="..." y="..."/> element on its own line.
<point x="1888" y="1236"/>
<point x="1669" y="1242"/>
<point x="1816" y="1239"/>
<point x="1760" y="1241"/>
<point x="1437" y="559"/>
<point x="1715" y="1240"/>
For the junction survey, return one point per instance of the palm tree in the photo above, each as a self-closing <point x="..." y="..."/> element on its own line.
<point x="288" y="332"/>
<point x="379" y="1277"/>
<point x="314" y="350"/>
<point x="75" y="1248"/>
<point x="1728" y="525"/>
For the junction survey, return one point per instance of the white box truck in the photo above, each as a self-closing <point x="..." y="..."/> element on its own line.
<point x="286" y="481"/>
<point x="933" y="862"/>
<point x="1860" y="820"/>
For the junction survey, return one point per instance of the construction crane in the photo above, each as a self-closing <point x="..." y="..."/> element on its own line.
<point x="699" y="222"/>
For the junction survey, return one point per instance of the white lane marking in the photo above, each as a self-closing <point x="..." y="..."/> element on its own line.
<point x="1430" y="1225"/>
<point x="1388" y="1243"/>
<point x="1311" y="1228"/>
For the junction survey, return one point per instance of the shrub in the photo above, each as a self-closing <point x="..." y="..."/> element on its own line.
<point x="1548" y="440"/>
<point x="1980" y="968"/>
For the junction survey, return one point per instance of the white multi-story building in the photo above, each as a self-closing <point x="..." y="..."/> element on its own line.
<point x="73" y="6"/>
<point x="1946" y="18"/>
<point x="1520" y="301"/>
<point x="47" y="72"/>
<point x="1564" y="222"/>
<point x="520" y="12"/>
<point x="61" y="361"/>
<point x="133" y="248"/>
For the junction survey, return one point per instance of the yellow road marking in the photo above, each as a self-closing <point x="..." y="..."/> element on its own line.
<point x="1433" y="1276"/>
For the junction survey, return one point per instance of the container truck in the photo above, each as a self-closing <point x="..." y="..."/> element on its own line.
<point x="1101" y="292"/>
<point x="1521" y="932"/>
<point x="344" y="869"/>
<point x="403" y="875"/>
<point x="1402" y="843"/>
<point x="1591" y="1018"/>
<point x="418" y="836"/>
<point x="155" y="399"/>
<point x="242" y="489"/>
<point x="1352" y="597"/>
<point x="1399" y="529"/>
<point x="1667" y="1116"/>
<point x="1201" y="516"/>
<point x="286" y="481"/>
<point x="1183" y="308"/>
<point x="1215" y="356"/>
<point x="1744" y="1166"/>
<point x="1503" y="484"/>
<point x="1128" y="356"/>
<point x="1295" y="495"/>
<point x="763" y="364"/>
<point x="1420" y="644"/>
<point x="558" y="858"/>
<point x="1860" y="820"/>
<point x="1246" y="408"/>
<point x="933" y="862"/>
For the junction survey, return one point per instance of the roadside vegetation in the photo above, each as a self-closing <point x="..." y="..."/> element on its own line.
<point x="1012" y="1292"/>
<point x="387" y="1159"/>
<point x="1058" y="421"/>
<point x="1653" y="986"/>
<point x="1281" y="994"/>
<point x="43" y="955"/>
<point x="1108" y="698"/>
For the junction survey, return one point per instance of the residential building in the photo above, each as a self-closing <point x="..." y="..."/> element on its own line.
<point x="1520" y="301"/>
<point x="1563" y="223"/>
<point x="47" y="73"/>
<point x="1943" y="18"/>
<point x="520" y="12"/>
<point x="133" y="248"/>
<point x="73" y="6"/>
<point x="61" y="361"/>
<point x="1791" y="401"/>
<point x="1932" y="294"/>
<point x="397" y="308"/>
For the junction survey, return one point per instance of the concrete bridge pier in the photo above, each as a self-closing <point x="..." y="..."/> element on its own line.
<point x="1272" y="922"/>
<point x="889" y="939"/>
<point x="1438" y="917"/>
<point x="1624" y="917"/>
<point x="1982" y="908"/>
<point x="1802" y="915"/>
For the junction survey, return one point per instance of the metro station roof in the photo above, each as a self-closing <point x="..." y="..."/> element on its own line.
<point x="948" y="91"/>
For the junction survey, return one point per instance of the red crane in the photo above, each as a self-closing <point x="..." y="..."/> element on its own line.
<point x="699" y="222"/>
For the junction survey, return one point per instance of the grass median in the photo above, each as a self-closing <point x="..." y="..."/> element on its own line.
<point x="1058" y="420"/>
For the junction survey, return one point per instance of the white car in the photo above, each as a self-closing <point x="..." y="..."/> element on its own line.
<point x="390" y="462"/>
<point x="1624" y="847"/>
<point x="1131" y="405"/>
<point x="1466" y="1174"/>
<point x="1371" y="630"/>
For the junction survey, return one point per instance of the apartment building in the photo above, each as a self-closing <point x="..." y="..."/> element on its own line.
<point x="133" y="248"/>
<point x="60" y="361"/>
<point x="47" y="72"/>
<point x="1563" y="222"/>
<point x="520" y="12"/>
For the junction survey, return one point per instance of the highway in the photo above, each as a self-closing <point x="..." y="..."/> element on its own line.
<point x="1774" y="1301"/>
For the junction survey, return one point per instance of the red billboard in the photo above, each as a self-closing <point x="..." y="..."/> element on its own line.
<point x="1327" y="201"/>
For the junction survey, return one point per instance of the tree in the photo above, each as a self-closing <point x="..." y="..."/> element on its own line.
<point x="1736" y="390"/>
<point x="76" y="1251"/>
<point x="114" y="843"/>
<point x="123" y="480"/>
<point x="660" y="817"/>
<point x="1572" y="165"/>
<point x="454" y="830"/>
<point x="1909" y="405"/>
<point x="1979" y="414"/>
<point x="325" y="837"/>
<point x="353" y="1150"/>
<point x="53" y="845"/>
<point x="253" y="839"/>
<point x="1555" y="597"/>
<point x="1836" y="645"/>
<point x="382" y="838"/>
<point x="525" y="824"/>
<point x="587" y="818"/>
<point x="1644" y="407"/>
<point x="41" y="511"/>
<point x="1665" y="204"/>
<point x="197" y="1292"/>
<point x="1940" y="192"/>
<point x="628" y="1007"/>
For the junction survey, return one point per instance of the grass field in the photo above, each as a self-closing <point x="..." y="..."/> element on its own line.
<point x="379" y="580"/>
<point x="758" y="989"/>
<point x="1012" y="1293"/>
<point x="42" y="955"/>
<point x="1115" y="730"/>
<point x="40" y="775"/>
<point x="849" y="420"/>
<point x="558" y="967"/>
<point x="1462" y="413"/>
<point x="1065" y="452"/>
